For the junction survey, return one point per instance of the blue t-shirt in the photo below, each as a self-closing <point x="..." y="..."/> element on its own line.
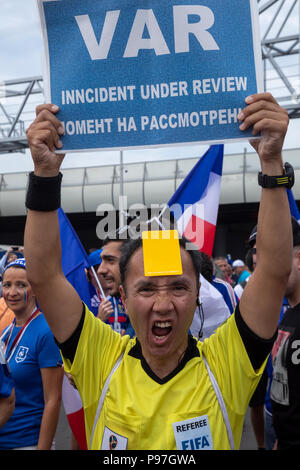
<point x="94" y="299"/>
<point x="6" y="380"/>
<point x="119" y="320"/>
<point x="243" y="276"/>
<point x="36" y="350"/>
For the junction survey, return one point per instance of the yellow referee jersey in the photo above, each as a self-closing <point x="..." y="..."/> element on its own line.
<point x="180" y="413"/>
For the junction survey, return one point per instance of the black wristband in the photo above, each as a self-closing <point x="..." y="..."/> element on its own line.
<point x="43" y="192"/>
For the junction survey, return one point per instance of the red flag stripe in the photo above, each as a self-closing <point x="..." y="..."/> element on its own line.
<point x="76" y="422"/>
<point x="201" y="233"/>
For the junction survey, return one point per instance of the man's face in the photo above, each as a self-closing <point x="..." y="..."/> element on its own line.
<point x="238" y="270"/>
<point x="223" y="265"/>
<point x="109" y="267"/>
<point x="161" y="308"/>
<point x="100" y="277"/>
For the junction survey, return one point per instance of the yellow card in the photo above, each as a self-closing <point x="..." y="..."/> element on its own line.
<point x="161" y="252"/>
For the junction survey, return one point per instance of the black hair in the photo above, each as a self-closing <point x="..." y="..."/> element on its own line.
<point x="249" y="259"/>
<point x="131" y="246"/>
<point x="207" y="267"/>
<point x="295" y="230"/>
<point x="120" y="235"/>
<point x="252" y="237"/>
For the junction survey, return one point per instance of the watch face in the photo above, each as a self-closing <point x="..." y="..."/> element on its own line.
<point x="289" y="171"/>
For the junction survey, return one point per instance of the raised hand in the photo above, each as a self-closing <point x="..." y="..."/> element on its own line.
<point x="268" y="118"/>
<point x="44" y="140"/>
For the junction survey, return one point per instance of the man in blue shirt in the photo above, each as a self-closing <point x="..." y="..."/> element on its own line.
<point x="240" y="269"/>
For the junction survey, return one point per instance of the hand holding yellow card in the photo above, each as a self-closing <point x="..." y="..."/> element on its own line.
<point x="161" y="252"/>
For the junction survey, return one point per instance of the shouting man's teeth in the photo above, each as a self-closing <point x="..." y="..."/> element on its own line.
<point x="161" y="324"/>
<point x="161" y="329"/>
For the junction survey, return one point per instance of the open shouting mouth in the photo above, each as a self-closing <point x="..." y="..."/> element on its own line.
<point x="161" y="331"/>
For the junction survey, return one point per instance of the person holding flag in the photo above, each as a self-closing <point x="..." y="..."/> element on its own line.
<point x="95" y="281"/>
<point x="111" y="309"/>
<point x="163" y="379"/>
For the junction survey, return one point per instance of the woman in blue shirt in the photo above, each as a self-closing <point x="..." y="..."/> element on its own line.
<point x="7" y="391"/>
<point x="35" y="364"/>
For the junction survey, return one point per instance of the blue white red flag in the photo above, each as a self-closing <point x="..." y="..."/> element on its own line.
<point x="74" y="258"/>
<point x="74" y="261"/>
<point x="195" y="204"/>
<point x="293" y="206"/>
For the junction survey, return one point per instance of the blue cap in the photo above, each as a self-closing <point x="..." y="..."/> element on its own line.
<point x="17" y="262"/>
<point x="95" y="258"/>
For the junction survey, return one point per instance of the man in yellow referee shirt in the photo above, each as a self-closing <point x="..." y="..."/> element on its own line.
<point x="163" y="389"/>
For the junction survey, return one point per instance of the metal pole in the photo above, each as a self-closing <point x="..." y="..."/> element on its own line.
<point x="121" y="198"/>
<point x="28" y="91"/>
<point x="244" y="173"/>
<point x="121" y="174"/>
<point x="98" y="282"/>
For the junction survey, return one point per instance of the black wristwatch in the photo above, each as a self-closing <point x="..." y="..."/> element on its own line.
<point x="287" y="179"/>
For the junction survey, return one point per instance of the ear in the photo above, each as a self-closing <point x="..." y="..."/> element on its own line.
<point x="123" y="297"/>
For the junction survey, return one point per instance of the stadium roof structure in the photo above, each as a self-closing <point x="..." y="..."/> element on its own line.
<point x="145" y="184"/>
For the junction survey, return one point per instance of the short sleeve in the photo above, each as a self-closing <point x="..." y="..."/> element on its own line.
<point x="6" y="380"/>
<point x="48" y="352"/>
<point x="97" y="351"/>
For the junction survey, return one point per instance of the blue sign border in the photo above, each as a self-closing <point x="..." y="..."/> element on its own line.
<point x="112" y="103"/>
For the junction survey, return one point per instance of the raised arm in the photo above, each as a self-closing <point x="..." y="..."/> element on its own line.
<point x="59" y="301"/>
<point x="261" y="301"/>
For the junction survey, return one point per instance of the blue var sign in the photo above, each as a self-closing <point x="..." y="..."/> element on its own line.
<point x="145" y="73"/>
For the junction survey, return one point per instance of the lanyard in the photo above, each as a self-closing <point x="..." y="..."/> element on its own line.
<point x="117" y="324"/>
<point x="20" y="334"/>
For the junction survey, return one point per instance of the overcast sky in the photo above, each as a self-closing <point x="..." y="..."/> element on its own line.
<point x="21" y="55"/>
<point x="21" y="48"/>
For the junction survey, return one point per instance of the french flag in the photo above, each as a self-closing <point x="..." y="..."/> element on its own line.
<point x="195" y="204"/>
<point x="74" y="412"/>
<point x="293" y="205"/>
<point x="74" y="260"/>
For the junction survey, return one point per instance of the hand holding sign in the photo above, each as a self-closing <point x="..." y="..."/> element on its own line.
<point x="268" y="118"/>
<point x="44" y="139"/>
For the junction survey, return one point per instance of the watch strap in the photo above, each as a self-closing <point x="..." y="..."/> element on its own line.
<point x="285" y="180"/>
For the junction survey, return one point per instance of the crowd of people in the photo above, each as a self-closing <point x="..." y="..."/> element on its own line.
<point x="132" y="356"/>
